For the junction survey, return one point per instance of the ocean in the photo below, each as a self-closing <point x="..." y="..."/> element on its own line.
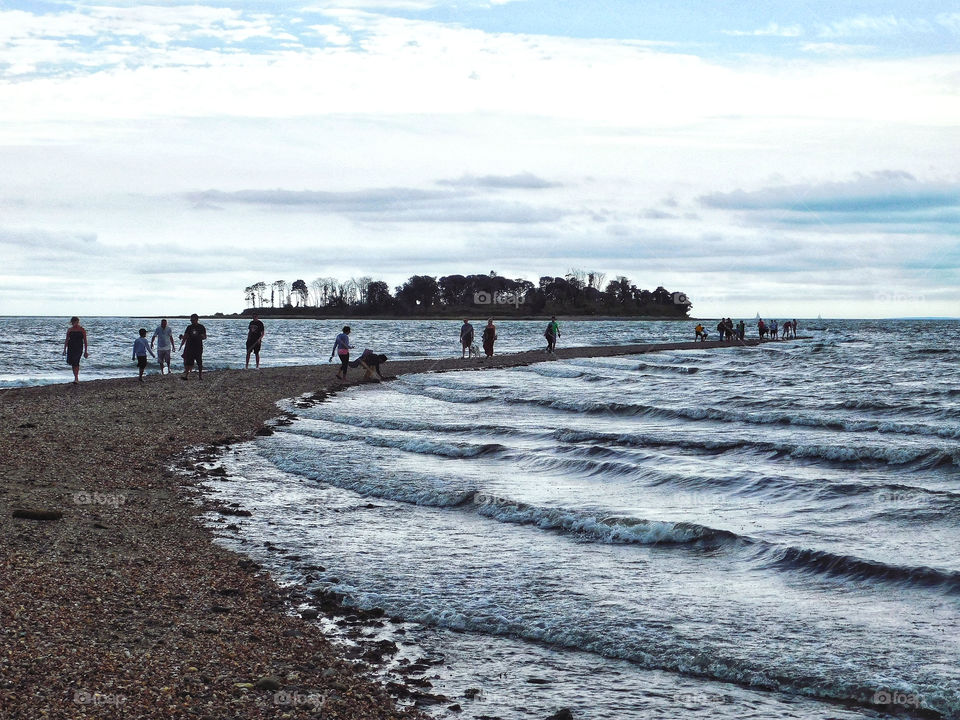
<point x="765" y="532"/>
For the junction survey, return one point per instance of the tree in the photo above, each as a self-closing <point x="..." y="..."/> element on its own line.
<point x="361" y="284"/>
<point x="300" y="288"/>
<point x="595" y="279"/>
<point x="281" y="288"/>
<point x="259" y="290"/>
<point x="419" y="292"/>
<point x="662" y="296"/>
<point x="378" y="296"/>
<point x="620" y="290"/>
<point x="454" y="289"/>
<point x="325" y="288"/>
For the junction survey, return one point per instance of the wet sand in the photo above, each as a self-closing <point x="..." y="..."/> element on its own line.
<point x="115" y="600"/>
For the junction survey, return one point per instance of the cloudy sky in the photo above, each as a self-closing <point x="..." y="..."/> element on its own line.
<point x="789" y="158"/>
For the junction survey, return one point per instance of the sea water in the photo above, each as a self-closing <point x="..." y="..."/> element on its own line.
<point x="739" y="533"/>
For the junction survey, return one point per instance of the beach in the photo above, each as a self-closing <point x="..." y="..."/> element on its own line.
<point x="115" y="598"/>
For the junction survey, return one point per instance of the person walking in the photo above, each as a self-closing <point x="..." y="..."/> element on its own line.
<point x="75" y="345"/>
<point x="163" y="337"/>
<point x="140" y="349"/>
<point x="191" y="342"/>
<point x="551" y="334"/>
<point x="489" y="337"/>
<point x="341" y="348"/>
<point x="255" y="333"/>
<point x="466" y="338"/>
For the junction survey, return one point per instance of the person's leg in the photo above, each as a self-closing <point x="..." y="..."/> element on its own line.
<point x="256" y="354"/>
<point x="76" y="373"/>
<point x="199" y="368"/>
<point x="344" y="365"/>
<point x="246" y="364"/>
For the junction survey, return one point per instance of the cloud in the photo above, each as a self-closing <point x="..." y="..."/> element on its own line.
<point x="770" y="30"/>
<point x="949" y="21"/>
<point x="387" y="205"/>
<point x="654" y="214"/>
<point x="527" y="181"/>
<point x="43" y="240"/>
<point x="877" y="193"/>
<point x="836" y="49"/>
<point x="874" y="26"/>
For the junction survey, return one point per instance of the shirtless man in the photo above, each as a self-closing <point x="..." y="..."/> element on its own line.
<point x="255" y="333"/>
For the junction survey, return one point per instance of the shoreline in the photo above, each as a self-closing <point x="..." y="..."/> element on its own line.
<point x="121" y="597"/>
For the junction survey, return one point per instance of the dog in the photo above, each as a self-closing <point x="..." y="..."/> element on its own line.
<point x="474" y="350"/>
<point x="370" y="362"/>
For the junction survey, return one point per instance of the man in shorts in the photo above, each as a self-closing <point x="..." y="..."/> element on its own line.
<point x="255" y="333"/>
<point x="163" y="336"/>
<point x="466" y="338"/>
<point x="191" y="343"/>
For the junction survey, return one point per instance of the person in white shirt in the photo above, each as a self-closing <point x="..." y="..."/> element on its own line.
<point x="163" y="336"/>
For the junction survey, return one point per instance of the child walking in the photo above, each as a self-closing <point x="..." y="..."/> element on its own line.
<point x="141" y="346"/>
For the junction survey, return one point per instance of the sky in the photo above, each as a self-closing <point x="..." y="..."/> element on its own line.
<point x="791" y="159"/>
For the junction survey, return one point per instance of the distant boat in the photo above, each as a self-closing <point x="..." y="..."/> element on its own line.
<point x="819" y="317"/>
<point x="757" y="317"/>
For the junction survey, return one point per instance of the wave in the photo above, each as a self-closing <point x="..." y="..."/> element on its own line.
<point x="682" y="369"/>
<point x="420" y="446"/>
<point x="612" y="528"/>
<point x="629" y="530"/>
<point x="555" y="370"/>
<point x="710" y="413"/>
<point x="826" y="563"/>
<point x="323" y="413"/>
<point x="603" y="528"/>
<point x="931" y="351"/>
<point x="646" y="647"/>
<point x="925" y="457"/>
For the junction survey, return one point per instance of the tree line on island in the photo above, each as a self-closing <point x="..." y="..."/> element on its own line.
<point x="579" y="292"/>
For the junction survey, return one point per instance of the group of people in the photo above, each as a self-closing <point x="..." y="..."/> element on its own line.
<point x="727" y="331"/>
<point x="191" y="343"/>
<point x="775" y="331"/>
<point x="489" y="337"/>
